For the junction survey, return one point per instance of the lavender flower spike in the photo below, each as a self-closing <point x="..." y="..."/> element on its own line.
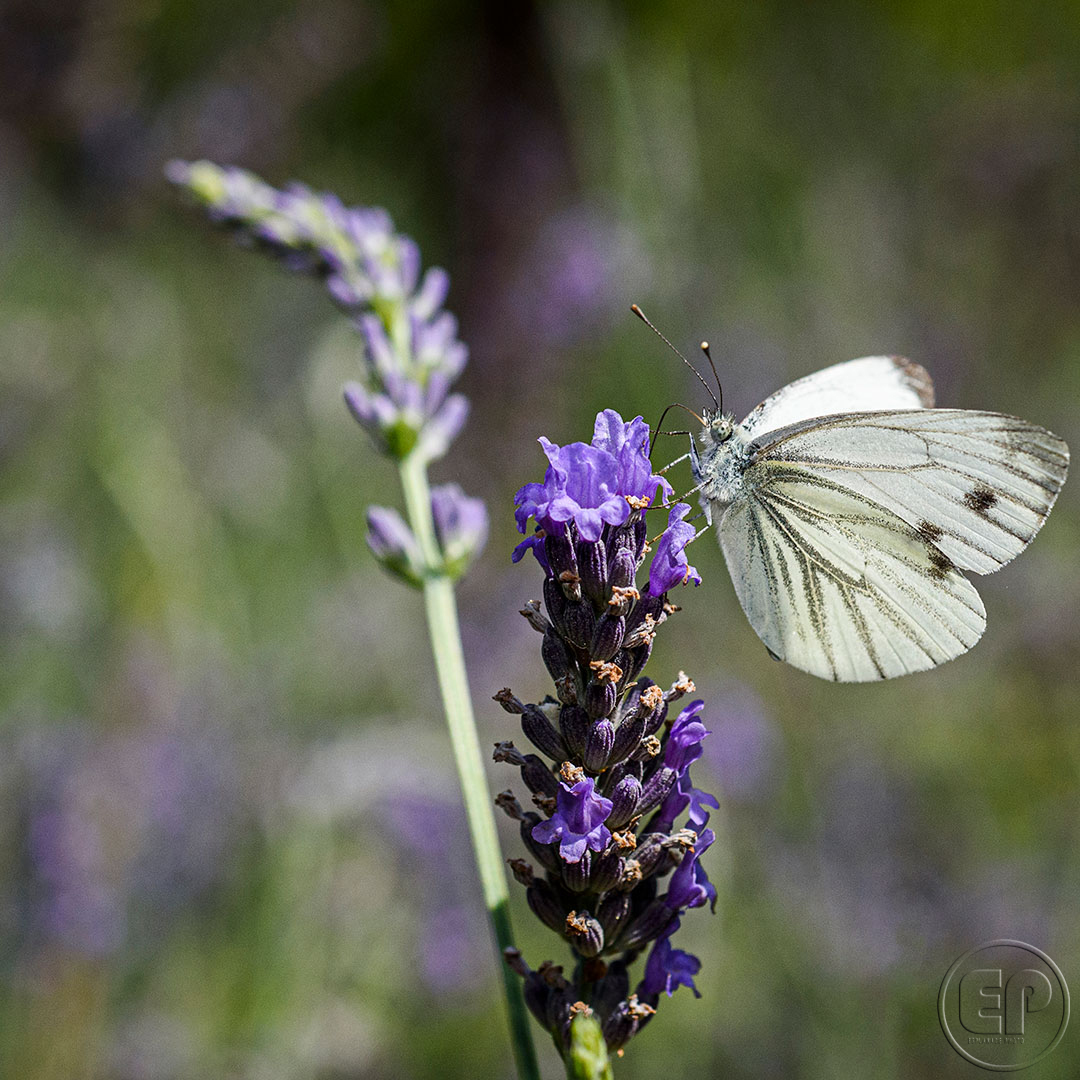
<point x="620" y="776"/>
<point x="411" y="351"/>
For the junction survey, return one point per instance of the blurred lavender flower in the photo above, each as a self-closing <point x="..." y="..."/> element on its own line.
<point x="618" y="759"/>
<point x="412" y="354"/>
<point x="411" y="351"/>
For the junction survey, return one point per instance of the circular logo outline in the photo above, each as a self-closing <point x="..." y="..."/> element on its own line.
<point x="957" y="965"/>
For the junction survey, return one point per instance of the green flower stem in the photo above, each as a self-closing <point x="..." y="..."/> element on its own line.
<point x="587" y="1058"/>
<point x="445" y="634"/>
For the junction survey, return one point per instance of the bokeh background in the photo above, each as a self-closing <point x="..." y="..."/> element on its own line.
<point x="229" y="842"/>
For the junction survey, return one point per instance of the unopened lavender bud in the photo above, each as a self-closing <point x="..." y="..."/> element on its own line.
<point x="622" y="570"/>
<point x="598" y="744"/>
<point x="612" y="989"/>
<point x="624" y="798"/>
<point x="555" y="604"/>
<point x="522" y="871"/>
<point x="648" y="926"/>
<point x="627" y="736"/>
<point x="531" y="611"/>
<point x="537" y="994"/>
<point x="584" y="933"/>
<point x="555" y="655"/>
<point x="461" y="527"/>
<point x="506" y="699"/>
<point x="561" y="556"/>
<point x="624" y="1022"/>
<point x="579" y="621"/>
<point x="393" y="544"/>
<point x="574" y="723"/>
<point x="613" y="913"/>
<point x="599" y="698"/>
<point x="592" y="568"/>
<point x="656" y="789"/>
<point x="539" y="779"/>
<point x="633" y="660"/>
<point x="607" y="637"/>
<point x="607" y="870"/>
<point x="577" y="876"/>
<point x="539" y="731"/>
<point x="545" y="905"/>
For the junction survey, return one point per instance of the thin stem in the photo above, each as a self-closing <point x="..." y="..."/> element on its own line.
<point x="445" y="633"/>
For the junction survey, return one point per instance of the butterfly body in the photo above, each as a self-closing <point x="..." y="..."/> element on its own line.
<point x="848" y="509"/>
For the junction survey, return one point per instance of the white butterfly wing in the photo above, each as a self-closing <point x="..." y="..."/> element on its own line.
<point x="838" y="586"/>
<point x="873" y="382"/>
<point x="977" y="485"/>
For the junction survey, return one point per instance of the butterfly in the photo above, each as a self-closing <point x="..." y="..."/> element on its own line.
<point x="848" y="509"/>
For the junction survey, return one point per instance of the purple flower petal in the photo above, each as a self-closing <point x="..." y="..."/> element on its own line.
<point x="578" y="821"/>
<point x="669" y="566"/>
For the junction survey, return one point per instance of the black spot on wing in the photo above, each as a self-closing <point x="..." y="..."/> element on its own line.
<point x="930" y="532"/>
<point x="980" y="499"/>
<point x="940" y="563"/>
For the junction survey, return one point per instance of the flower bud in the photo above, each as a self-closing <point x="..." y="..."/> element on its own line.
<point x="393" y="544"/>
<point x="545" y="905"/>
<point x="539" y="730"/>
<point x="598" y="745"/>
<point x="555" y="655"/>
<point x="584" y="933"/>
<point x="607" y="636"/>
<point x="624" y="798"/>
<point x="648" y="926"/>
<point x="592" y="567"/>
<point x="600" y="698"/>
<point x="574" y="724"/>
<point x="612" y="914"/>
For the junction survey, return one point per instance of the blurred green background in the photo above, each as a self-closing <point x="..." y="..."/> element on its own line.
<point x="229" y="842"/>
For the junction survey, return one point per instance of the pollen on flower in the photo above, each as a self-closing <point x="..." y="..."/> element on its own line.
<point x="652" y="696"/>
<point x="571" y="773"/>
<point x="626" y="841"/>
<point x="576" y="924"/>
<point x="623" y="596"/>
<point x="579" y="1008"/>
<point x="606" y="671"/>
<point x="637" y="502"/>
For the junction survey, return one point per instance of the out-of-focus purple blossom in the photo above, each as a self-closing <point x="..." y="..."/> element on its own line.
<point x="461" y="526"/>
<point x="668" y="968"/>
<point x="137" y="823"/>
<point x="670" y="566"/>
<point x="743" y="749"/>
<point x="393" y="544"/>
<point x="578" y="821"/>
<point x="412" y="354"/>
<point x="690" y="886"/>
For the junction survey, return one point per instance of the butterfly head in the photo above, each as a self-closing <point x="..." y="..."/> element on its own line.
<point x="718" y="428"/>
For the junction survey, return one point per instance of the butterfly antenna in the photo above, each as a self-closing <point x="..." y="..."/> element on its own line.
<point x="719" y="385"/>
<point x="641" y="315"/>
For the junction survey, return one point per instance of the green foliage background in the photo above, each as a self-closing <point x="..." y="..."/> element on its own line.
<point x="227" y="822"/>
